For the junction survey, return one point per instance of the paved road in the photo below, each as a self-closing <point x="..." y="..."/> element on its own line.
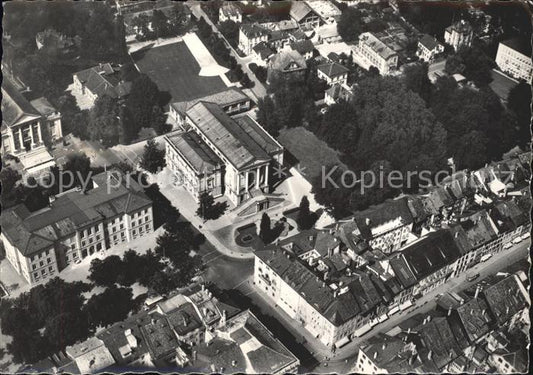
<point x="344" y="357"/>
<point x="259" y="89"/>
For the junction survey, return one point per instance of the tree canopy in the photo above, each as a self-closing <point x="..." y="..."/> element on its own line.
<point x="153" y="158"/>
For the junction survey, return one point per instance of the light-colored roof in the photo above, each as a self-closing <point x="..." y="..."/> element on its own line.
<point x="429" y="42"/>
<point x="235" y="144"/>
<point x="284" y="59"/>
<point x="299" y="9"/>
<point x="377" y="45"/>
<point x="199" y="156"/>
<point x="224" y="98"/>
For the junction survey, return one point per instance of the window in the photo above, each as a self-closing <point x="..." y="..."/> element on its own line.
<point x="36" y="275"/>
<point x="41" y="263"/>
<point x="98" y="246"/>
<point x="121" y="226"/>
<point x="49" y="260"/>
<point x="82" y="243"/>
<point x="43" y="271"/>
<point x="51" y="269"/>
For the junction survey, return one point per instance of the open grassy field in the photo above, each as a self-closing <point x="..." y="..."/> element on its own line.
<point x="175" y="71"/>
<point x="501" y="84"/>
<point x="311" y="153"/>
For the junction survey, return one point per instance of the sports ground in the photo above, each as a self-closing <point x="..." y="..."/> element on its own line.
<point x="175" y="70"/>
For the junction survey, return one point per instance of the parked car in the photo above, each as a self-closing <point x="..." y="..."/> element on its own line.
<point x="486" y="257"/>
<point x="473" y="277"/>
<point x="526" y="235"/>
<point x="507" y="245"/>
<point x="517" y="240"/>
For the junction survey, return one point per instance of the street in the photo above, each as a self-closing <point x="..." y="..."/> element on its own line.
<point x="235" y="274"/>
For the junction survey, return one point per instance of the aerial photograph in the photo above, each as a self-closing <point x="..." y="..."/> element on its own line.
<point x="265" y="187"/>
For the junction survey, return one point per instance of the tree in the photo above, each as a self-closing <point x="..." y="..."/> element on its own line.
<point x="80" y="167"/>
<point x="9" y="179"/>
<point x="105" y="272"/>
<point x="153" y="158"/>
<point x="519" y="103"/>
<point x="144" y="96"/>
<point x="265" y="229"/>
<point x="113" y="305"/>
<point x="416" y="79"/>
<point x="230" y="30"/>
<point x="178" y="19"/>
<point x="267" y="117"/>
<point x="305" y="218"/>
<point x="350" y="24"/>
<point x="473" y="63"/>
<point x="104" y="121"/>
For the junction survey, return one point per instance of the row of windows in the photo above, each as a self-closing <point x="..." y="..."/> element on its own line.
<point x="36" y="275"/>
<point x="41" y="263"/>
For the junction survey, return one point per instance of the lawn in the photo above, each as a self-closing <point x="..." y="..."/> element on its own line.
<point x="501" y="84"/>
<point x="309" y="151"/>
<point x="175" y="71"/>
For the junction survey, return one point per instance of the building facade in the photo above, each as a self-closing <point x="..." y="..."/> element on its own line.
<point x="240" y="159"/>
<point x="251" y="35"/>
<point x="428" y="48"/>
<point x="26" y="126"/>
<point x="376" y="53"/>
<point x="514" y="58"/>
<point x="230" y="12"/>
<point x="333" y="73"/>
<point x="76" y="225"/>
<point x="459" y="35"/>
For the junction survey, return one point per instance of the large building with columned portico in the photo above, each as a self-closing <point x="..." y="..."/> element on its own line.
<point x="222" y="155"/>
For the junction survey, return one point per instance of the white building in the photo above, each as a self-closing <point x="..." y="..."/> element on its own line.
<point x="514" y="58"/>
<point x="376" y="53"/>
<point x="251" y="35"/>
<point x="459" y="35"/>
<point x="333" y="73"/>
<point x="27" y="126"/>
<point x="230" y="12"/>
<point x="428" y="48"/>
<point x="243" y="149"/>
<point x="76" y="225"/>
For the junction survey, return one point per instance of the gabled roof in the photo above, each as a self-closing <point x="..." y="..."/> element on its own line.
<point x="505" y="299"/>
<point x="199" y="156"/>
<point x="299" y="10"/>
<point x="234" y="142"/>
<point x="15" y="107"/>
<point x="104" y="79"/>
<point x="263" y="50"/>
<point x="231" y="95"/>
<point x="253" y="31"/>
<point x="33" y="232"/>
<point x="431" y="253"/>
<point x="332" y="69"/>
<point x="475" y="319"/>
<point x="302" y="46"/>
<point x="429" y="42"/>
<point x="285" y="59"/>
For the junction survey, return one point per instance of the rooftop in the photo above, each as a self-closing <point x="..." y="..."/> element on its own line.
<point x="332" y="69"/>
<point x="15" y="108"/>
<point x="239" y="145"/>
<point x="429" y="42"/>
<point x="32" y="232"/>
<point x="104" y="79"/>
<point x="505" y="299"/>
<point x="199" y="156"/>
<point x="227" y="97"/>
<point x="299" y="10"/>
<point x="377" y="45"/>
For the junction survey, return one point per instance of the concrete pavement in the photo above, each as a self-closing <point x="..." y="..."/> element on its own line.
<point x="259" y="89"/>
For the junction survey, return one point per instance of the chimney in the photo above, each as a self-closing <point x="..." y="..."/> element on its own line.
<point x="335" y="293"/>
<point x="51" y="199"/>
<point x="194" y="355"/>
<point x="478" y="288"/>
<point x="411" y="360"/>
<point x="367" y="221"/>
<point x="408" y="330"/>
<point x="203" y="287"/>
<point x="430" y="355"/>
<point x="375" y="355"/>
<point x="329" y="251"/>
<point x="234" y="363"/>
<point x="310" y="238"/>
<point x="449" y="311"/>
<point x="383" y="346"/>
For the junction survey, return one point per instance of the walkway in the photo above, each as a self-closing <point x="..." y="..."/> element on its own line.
<point x="208" y="65"/>
<point x="258" y="89"/>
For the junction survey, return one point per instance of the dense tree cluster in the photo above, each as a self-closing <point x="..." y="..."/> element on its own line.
<point x="160" y="24"/>
<point x="153" y="158"/>
<point x="230" y="30"/>
<point x="351" y="24"/>
<point x="208" y="209"/>
<point x="221" y="53"/>
<point x="473" y="63"/>
<point x="306" y="218"/>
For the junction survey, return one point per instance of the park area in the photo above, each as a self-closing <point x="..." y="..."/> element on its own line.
<point x="311" y="153"/>
<point x="175" y="71"/>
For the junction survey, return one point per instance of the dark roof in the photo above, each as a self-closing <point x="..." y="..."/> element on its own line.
<point x="429" y="42"/>
<point x="388" y="353"/>
<point x="438" y="338"/>
<point x="521" y="45"/>
<point x="32" y="232"/>
<point x="475" y="318"/>
<point x="253" y="31"/>
<point x="332" y="69"/>
<point x="104" y="79"/>
<point x="15" y="107"/>
<point x="258" y="134"/>
<point x="263" y="50"/>
<point x="508" y="216"/>
<point x="288" y="60"/>
<point x="431" y="253"/>
<point x="226" y="134"/>
<point x="194" y="150"/>
<point x="505" y="299"/>
<point x="360" y="296"/>
<point x="381" y="214"/>
<point x="184" y="319"/>
<point x="403" y="272"/>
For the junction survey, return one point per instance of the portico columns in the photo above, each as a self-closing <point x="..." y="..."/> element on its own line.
<point x="21" y="144"/>
<point x="39" y="133"/>
<point x="266" y="175"/>
<point x="247" y="180"/>
<point x="257" y="177"/>
<point x="31" y="135"/>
